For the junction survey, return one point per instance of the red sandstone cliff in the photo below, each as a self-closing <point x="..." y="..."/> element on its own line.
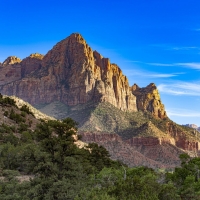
<point x="74" y="74"/>
<point x="139" y="151"/>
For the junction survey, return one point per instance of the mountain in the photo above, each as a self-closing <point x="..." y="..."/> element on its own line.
<point x="74" y="74"/>
<point x="194" y="126"/>
<point x="72" y="80"/>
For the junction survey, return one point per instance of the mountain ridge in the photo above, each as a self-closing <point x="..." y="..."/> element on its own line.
<point x="75" y="75"/>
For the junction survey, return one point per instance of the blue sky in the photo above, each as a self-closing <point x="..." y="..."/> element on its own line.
<point x="151" y="41"/>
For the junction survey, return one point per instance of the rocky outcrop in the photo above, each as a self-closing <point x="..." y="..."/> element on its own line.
<point x="11" y="60"/>
<point x="149" y="141"/>
<point x="182" y="139"/>
<point x="72" y="73"/>
<point x="31" y="64"/>
<point x="10" y="73"/>
<point x="120" y="150"/>
<point x="148" y="99"/>
<point x="150" y="152"/>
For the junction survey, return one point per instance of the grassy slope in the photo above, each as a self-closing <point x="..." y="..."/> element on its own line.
<point x="104" y="117"/>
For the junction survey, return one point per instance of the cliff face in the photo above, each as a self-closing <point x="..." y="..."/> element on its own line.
<point x="31" y="64"/>
<point x="74" y="74"/>
<point x="148" y="99"/>
<point x="9" y="73"/>
<point x="181" y="138"/>
<point x="120" y="150"/>
<point x="137" y="152"/>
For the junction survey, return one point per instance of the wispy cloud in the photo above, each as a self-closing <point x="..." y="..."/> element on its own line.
<point x="184" y="48"/>
<point x="191" y="65"/>
<point x="148" y="74"/>
<point x="133" y="61"/>
<point x="182" y="113"/>
<point x="161" y="64"/>
<point x="180" y="88"/>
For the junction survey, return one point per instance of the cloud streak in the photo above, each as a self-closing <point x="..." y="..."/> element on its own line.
<point x="191" y="65"/>
<point x="148" y="74"/>
<point x="185" y="48"/>
<point x="182" y="113"/>
<point x="180" y="88"/>
<point x="161" y="64"/>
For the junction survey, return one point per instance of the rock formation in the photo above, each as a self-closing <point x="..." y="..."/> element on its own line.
<point x="31" y="64"/>
<point x="74" y="74"/>
<point x="11" y="60"/>
<point x="148" y="99"/>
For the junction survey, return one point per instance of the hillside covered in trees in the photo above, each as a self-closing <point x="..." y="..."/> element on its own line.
<point x="45" y="163"/>
<point x="40" y="160"/>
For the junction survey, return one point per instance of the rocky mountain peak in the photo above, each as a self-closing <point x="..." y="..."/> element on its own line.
<point x="76" y="37"/>
<point x="72" y="73"/>
<point x="11" y="60"/>
<point x="148" y="99"/>
<point x="37" y="56"/>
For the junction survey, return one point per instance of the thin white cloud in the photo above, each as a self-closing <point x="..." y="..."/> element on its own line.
<point x="148" y="74"/>
<point x="182" y="113"/>
<point x="161" y="64"/>
<point x="191" y="65"/>
<point x="180" y="88"/>
<point x="132" y="61"/>
<point x="194" y="49"/>
<point x="184" y="48"/>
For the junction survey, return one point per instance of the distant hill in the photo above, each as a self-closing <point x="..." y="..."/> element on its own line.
<point x="194" y="126"/>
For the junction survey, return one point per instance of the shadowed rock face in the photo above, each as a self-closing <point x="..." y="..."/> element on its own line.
<point x="138" y="151"/>
<point x="74" y="74"/>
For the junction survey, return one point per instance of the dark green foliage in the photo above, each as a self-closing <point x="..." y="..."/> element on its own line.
<point x="26" y="109"/>
<point x="7" y="101"/>
<point x="26" y="136"/>
<point x="99" y="157"/>
<point x="60" y="170"/>
<point x="22" y="127"/>
<point x="16" y="117"/>
<point x="23" y="114"/>
<point x="11" y="138"/>
<point x="186" y="178"/>
<point x="6" y="113"/>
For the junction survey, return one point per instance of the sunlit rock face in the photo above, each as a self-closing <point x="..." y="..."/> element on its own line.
<point x="71" y="72"/>
<point x="148" y="99"/>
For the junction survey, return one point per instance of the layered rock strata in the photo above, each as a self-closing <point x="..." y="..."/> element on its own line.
<point x="143" y="152"/>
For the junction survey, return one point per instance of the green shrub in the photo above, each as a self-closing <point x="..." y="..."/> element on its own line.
<point x="26" y="109"/>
